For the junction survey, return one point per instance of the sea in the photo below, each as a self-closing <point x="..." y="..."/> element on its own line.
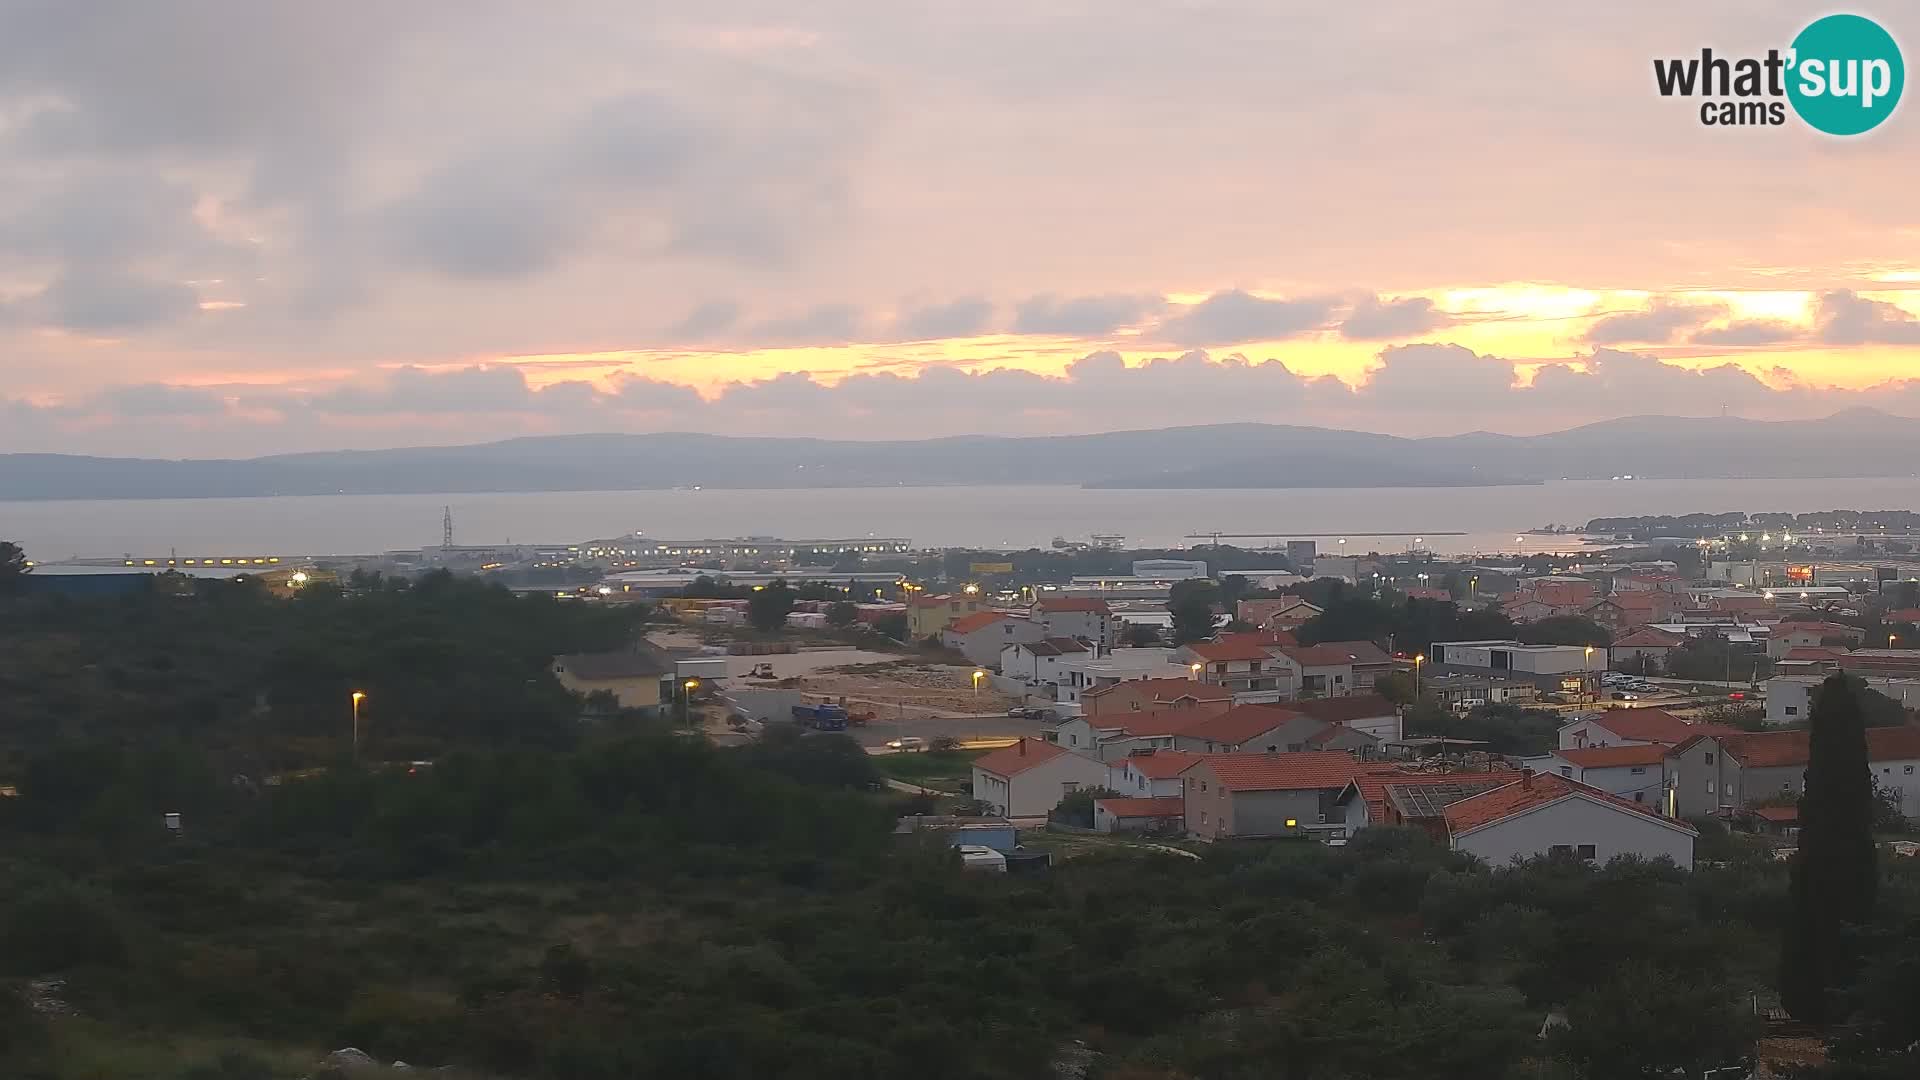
<point x="1467" y="520"/>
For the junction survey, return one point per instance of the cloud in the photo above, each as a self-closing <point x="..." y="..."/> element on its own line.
<point x="465" y="391"/>
<point x="109" y="301"/>
<point x="1083" y="316"/>
<point x="703" y="322"/>
<point x="1416" y="389"/>
<point x="502" y="216"/>
<point x="1229" y="318"/>
<point x="1661" y="322"/>
<point x="157" y="399"/>
<point x="1374" y="319"/>
<point x="1844" y="318"/>
<point x="1613" y="383"/>
<point x="958" y="319"/>
<point x="1436" y="377"/>
<point x="826" y="324"/>
<point x="1748" y="332"/>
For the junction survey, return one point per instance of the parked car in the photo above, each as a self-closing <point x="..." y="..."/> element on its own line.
<point x="1026" y="712"/>
<point x="906" y="743"/>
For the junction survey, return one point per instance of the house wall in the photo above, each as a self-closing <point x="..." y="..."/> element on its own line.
<point x="1265" y="813"/>
<point x="1118" y="747"/>
<point x="1131" y="783"/>
<point x="1035" y="791"/>
<point x="1574" y="821"/>
<point x="926" y="620"/>
<point x="1090" y="625"/>
<point x="1590" y="733"/>
<point x="1384" y="728"/>
<point x="1332" y="680"/>
<point x="1789" y="700"/>
<point x="1645" y="786"/>
<point x="1690" y="774"/>
<point x="1902" y="778"/>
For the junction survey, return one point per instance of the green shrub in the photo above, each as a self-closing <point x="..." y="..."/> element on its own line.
<point x="60" y="927"/>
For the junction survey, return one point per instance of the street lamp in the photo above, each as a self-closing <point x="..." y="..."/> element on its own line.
<point x="977" y="676"/>
<point x="1586" y="670"/>
<point x="1418" y="659"/>
<point x="1196" y="671"/>
<point x="357" y="698"/>
<point x="971" y="589"/>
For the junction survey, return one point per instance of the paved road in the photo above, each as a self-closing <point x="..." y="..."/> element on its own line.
<point x="965" y="728"/>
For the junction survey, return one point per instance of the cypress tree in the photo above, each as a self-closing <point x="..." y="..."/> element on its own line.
<point x="1834" y="874"/>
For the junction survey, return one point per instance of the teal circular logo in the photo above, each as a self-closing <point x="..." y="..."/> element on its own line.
<point x="1846" y="74"/>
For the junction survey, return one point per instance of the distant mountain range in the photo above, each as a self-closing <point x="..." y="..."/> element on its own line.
<point x="1858" y="442"/>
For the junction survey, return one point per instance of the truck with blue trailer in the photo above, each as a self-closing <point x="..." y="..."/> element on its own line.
<point x="824" y="716"/>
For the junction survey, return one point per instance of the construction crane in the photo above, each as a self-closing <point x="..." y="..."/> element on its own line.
<point x="446" y="526"/>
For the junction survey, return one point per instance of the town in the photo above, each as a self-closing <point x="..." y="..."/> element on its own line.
<point x="1644" y="702"/>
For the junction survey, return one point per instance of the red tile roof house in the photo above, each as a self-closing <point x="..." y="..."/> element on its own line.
<point x="1040" y="662"/>
<point x="1787" y="636"/>
<point x="1367" y="660"/>
<point x="980" y="636"/>
<point x="1713" y="773"/>
<point x="1241" y="666"/>
<point x="1644" y="644"/>
<point x="1138" y="815"/>
<point x="1029" y="778"/>
<point x="1268" y="729"/>
<point x="1276" y="613"/>
<point x="1552" y="815"/>
<point x="1391" y="796"/>
<point x="1110" y="738"/>
<point x="1369" y="713"/>
<point x="1141" y="695"/>
<point x="1149" y="773"/>
<point x="1636" y="772"/>
<point x="1078" y="617"/>
<point x="1324" y="670"/>
<point x="1633" y="727"/>
<point x="1254" y="795"/>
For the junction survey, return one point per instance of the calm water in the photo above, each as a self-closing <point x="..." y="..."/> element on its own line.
<point x="984" y="516"/>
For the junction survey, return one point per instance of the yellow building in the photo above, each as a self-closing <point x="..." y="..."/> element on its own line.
<point x="928" y="615"/>
<point x="632" y="677"/>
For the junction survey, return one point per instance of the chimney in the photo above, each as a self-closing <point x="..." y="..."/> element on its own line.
<point x="1023" y="748"/>
<point x="1526" y="779"/>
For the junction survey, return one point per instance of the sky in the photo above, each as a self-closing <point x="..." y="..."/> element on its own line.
<point x="230" y="228"/>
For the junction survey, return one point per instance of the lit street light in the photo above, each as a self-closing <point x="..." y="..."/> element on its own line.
<point x="1418" y="659"/>
<point x="357" y="698"/>
<point x="977" y="676"/>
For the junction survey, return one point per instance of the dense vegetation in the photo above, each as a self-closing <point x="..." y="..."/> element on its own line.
<point x="549" y="901"/>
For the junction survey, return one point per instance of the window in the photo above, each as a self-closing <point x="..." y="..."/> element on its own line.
<point x="1709" y="787"/>
<point x="1203" y="785"/>
<point x="1203" y="817"/>
<point x="1793" y="710"/>
<point x="1637" y="770"/>
<point x="1640" y="796"/>
<point x="1586" y="852"/>
<point x="1068" y="787"/>
<point x="1566" y="771"/>
<point x="1709" y="757"/>
<point x="1906" y="770"/>
<point x="1560" y="849"/>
